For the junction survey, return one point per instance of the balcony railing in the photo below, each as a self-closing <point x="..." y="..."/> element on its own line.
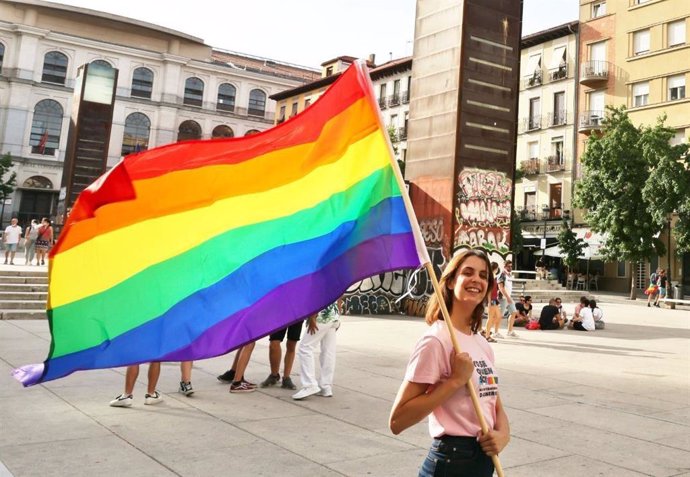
<point x="555" y="163"/>
<point x="393" y="100"/>
<point x="554" y="211"/>
<point x="557" y="74"/>
<point x="594" y="71"/>
<point x="557" y="118"/>
<point x="406" y="97"/>
<point x="529" y="124"/>
<point x="530" y="166"/>
<point x="535" y="79"/>
<point x="527" y="213"/>
<point x="591" y="120"/>
<point x="402" y="134"/>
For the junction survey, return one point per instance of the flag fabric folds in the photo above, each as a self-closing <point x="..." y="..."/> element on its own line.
<point x="191" y="250"/>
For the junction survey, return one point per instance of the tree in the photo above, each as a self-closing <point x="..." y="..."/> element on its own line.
<point x="571" y="246"/>
<point x="620" y="167"/>
<point x="6" y="183"/>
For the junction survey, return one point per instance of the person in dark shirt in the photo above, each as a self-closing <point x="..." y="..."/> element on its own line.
<point x="550" y="318"/>
<point x="662" y="281"/>
<point x="524" y="311"/>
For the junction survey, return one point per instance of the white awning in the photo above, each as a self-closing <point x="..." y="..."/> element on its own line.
<point x="533" y="65"/>
<point x="558" y="57"/>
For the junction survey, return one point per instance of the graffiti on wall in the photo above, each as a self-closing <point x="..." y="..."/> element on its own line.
<point x="482" y="211"/>
<point x="381" y="294"/>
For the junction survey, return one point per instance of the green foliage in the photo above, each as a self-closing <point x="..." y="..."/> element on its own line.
<point x="7" y="183"/>
<point x="632" y="180"/>
<point x="571" y="246"/>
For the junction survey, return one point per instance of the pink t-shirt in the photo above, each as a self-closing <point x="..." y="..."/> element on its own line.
<point x="430" y="364"/>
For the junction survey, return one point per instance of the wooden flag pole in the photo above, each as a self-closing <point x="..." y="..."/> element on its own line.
<point x="456" y="346"/>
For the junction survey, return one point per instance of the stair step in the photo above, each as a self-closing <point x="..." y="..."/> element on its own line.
<point x="23" y="304"/>
<point x="10" y="314"/>
<point x="22" y="279"/>
<point x="17" y="273"/>
<point x="24" y="295"/>
<point x="23" y="287"/>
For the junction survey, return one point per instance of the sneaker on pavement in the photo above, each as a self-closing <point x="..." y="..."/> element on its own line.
<point x="306" y="392"/>
<point x="288" y="384"/>
<point x="242" y="387"/>
<point x="152" y="399"/>
<point x="326" y="392"/>
<point x="123" y="400"/>
<point x="271" y="380"/>
<point x="513" y="334"/>
<point x="497" y="335"/>
<point x="186" y="388"/>
<point x="227" y="377"/>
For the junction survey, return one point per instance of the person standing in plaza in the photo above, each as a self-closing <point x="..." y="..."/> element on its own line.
<point x="151" y="397"/>
<point x="505" y="289"/>
<point x="436" y="377"/>
<point x="11" y="237"/>
<point x="494" y="319"/>
<point x="321" y="331"/>
<point x="653" y="290"/>
<point x="274" y="354"/>
<point x="662" y="281"/>
<point x="43" y="241"/>
<point x="30" y="236"/>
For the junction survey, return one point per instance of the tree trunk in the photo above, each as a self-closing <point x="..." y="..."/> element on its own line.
<point x="633" y="288"/>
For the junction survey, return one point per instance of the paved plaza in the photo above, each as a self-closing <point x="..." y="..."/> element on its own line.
<point x="610" y="403"/>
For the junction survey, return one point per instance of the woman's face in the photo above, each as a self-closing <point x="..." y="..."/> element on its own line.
<point x="471" y="281"/>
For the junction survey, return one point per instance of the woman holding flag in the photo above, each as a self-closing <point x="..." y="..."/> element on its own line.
<point x="436" y="377"/>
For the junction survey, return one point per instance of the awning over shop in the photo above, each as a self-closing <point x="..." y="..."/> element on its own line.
<point x="593" y="240"/>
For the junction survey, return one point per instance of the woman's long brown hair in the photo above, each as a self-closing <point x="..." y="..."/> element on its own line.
<point x="433" y="311"/>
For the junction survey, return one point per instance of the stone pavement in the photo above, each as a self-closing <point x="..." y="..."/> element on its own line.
<point x="615" y="402"/>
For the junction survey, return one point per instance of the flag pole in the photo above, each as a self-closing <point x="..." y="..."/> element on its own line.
<point x="421" y="247"/>
<point x="456" y="346"/>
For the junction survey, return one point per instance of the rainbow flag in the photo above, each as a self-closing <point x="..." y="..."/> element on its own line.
<point x="191" y="250"/>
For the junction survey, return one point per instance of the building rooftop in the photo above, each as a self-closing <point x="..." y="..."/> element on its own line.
<point x="550" y="34"/>
<point x="259" y="64"/>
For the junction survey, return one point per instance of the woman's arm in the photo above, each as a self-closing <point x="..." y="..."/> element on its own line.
<point x="414" y="401"/>
<point x="494" y="441"/>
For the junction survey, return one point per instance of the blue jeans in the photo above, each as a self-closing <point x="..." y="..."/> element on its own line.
<point x="456" y="457"/>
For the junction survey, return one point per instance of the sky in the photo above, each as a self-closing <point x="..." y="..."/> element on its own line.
<point x="307" y="32"/>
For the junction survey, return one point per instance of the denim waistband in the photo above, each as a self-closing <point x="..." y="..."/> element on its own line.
<point x="457" y="439"/>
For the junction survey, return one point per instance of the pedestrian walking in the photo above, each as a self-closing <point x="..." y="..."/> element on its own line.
<point x="11" y="237"/>
<point x="30" y="236"/>
<point x="275" y="352"/>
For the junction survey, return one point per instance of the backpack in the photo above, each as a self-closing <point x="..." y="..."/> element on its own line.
<point x="532" y="325"/>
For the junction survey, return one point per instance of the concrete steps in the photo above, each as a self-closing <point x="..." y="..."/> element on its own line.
<point x="542" y="291"/>
<point x="23" y="294"/>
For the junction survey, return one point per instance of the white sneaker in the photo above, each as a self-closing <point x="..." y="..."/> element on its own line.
<point x="306" y="392"/>
<point x="326" y="392"/>
<point x="154" y="398"/>
<point x="123" y="400"/>
<point x="497" y="335"/>
<point x="513" y="334"/>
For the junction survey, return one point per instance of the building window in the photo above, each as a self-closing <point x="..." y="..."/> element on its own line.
<point x="307" y="103"/>
<point x="252" y="131"/>
<point x="222" y="131"/>
<point x="193" y="92"/>
<point x="598" y="9"/>
<point x="293" y="111"/>
<point x="142" y="83"/>
<point x="136" y="136"/>
<point x="226" y="97"/>
<point x="640" y="92"/>
<point x="558" y="108"/>
<point x="46" y="127"/>
<point x="676" y="33"/>
<point x="257" y="103"/>
<point x="329" y="71"/>
<point x="557" y="147"/>
<point x="641" y="42"/>
<point x="621" y="269"/>
<point x="534" y="70"/>
<point x="533" y="150"/>
<point x="559" y="63"/>
<point x="534" y="114"/>
<point x="395" y="97"/>
<point x="394" y="121"/>
<point x="102" y="63"/>
<point x="382" y="92"/>
<point x="188" y="130"/>
<point x="676" y="87"/>
<point x="2" y="55"/>
<point x="281" y="116"/>
<point x="54" y="68"/>
<point x="530" y="202"/>
<point x="678" y="138"/>
<point x="38" y="182"/>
